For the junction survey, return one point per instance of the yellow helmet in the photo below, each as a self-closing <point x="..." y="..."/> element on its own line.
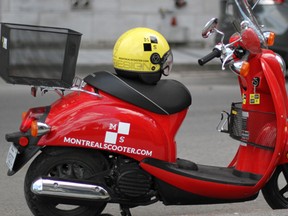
<point x="142" y="53"/>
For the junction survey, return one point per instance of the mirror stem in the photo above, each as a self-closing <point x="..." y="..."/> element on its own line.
<point x="255" y="4"/>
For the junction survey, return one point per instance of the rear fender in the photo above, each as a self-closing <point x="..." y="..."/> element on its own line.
<point x="32" y="148"/>
<point x="25" y="153"/>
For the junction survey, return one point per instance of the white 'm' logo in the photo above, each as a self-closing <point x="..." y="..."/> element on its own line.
<point x="112" y="137"/>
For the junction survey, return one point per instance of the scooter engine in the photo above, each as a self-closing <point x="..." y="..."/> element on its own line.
<point x="130" y="181"/>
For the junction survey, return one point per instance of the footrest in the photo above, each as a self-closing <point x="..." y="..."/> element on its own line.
<point x="222" y="175"/>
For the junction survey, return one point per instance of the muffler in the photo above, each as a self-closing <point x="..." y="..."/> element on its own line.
<point x="69" y="189"/>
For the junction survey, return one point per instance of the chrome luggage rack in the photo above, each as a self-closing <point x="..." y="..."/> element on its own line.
<point x="77" y="86"/>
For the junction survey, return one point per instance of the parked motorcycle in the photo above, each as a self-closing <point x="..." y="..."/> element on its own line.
<point x="113" y="139"/>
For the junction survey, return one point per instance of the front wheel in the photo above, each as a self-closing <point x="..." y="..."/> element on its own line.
<point x="275" y="191"/>
<point x="68" y="164"/>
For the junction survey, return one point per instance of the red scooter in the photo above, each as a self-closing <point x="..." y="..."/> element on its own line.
<point x="113" y="140"/>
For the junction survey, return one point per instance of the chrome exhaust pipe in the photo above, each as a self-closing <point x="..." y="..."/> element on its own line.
<point x="69" y="189"/>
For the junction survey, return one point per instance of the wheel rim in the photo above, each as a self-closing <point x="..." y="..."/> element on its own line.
<point x="282" y="183"/>
<point x="69" y="170"/>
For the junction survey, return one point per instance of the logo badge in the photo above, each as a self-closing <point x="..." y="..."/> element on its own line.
<point x="116" y="131"/>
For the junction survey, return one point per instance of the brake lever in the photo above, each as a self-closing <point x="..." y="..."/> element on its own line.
<point x="228" y="52"/>
<point x="228" y="58"/>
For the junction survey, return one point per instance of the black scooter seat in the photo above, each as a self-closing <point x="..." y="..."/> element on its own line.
<point x="166" y="97"/>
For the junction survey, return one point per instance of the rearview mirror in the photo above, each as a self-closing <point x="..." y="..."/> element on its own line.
<point x="209" y="28"/>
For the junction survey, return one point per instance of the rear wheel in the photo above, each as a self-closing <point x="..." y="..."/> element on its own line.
<point x="68" y="164"/>
<point x="275" y="191"/>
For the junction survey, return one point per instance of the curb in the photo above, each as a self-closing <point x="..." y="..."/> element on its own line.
<point x="88" y="69"/>
<point x="185" y="59"/>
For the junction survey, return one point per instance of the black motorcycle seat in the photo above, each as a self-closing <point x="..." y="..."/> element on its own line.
<point x="166" y="97"/>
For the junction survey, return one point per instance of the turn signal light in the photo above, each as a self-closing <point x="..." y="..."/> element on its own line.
<point x="241" y="68"/>
<point x="270" y="38"/>
<point x="34" y="128"/>
<point x="245" y="68"/>
<point x="39" y="128"/>
<point x="24" y="115"/>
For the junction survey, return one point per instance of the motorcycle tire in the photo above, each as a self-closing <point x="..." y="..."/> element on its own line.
<point x="68" y="164"/>
<point x="275" y="191"/>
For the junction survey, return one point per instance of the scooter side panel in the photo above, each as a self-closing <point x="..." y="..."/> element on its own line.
<point x="106" y="123"/>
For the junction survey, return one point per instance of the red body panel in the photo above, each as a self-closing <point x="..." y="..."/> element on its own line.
<point x="106" y="123"/>
<point x="269" y="130"/>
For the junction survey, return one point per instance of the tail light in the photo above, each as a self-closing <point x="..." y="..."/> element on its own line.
<point x="31" y="121"/>
<point x="23" y="141"/>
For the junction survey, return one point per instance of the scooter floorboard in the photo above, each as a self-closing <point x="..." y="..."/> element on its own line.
<point x="223" y="175"/>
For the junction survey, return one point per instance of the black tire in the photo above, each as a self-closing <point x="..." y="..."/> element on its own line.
<point x="69" y="164"/>
<point x="275" y="191"/>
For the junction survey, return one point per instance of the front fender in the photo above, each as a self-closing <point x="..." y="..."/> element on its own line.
<point x="275" y="81"/>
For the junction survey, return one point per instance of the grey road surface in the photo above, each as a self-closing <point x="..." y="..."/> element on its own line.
<point x="198" y="140"/>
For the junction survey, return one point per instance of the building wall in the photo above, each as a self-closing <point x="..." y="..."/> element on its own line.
<point x="102" y="22"/>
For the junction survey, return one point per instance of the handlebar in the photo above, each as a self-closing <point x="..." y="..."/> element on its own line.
<point x="216" y="53"/>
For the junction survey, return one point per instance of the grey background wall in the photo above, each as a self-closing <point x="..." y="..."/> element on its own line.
<point x="102" y="22"/>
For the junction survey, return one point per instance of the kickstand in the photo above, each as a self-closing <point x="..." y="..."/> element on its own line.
<point x="125" y="211"/>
